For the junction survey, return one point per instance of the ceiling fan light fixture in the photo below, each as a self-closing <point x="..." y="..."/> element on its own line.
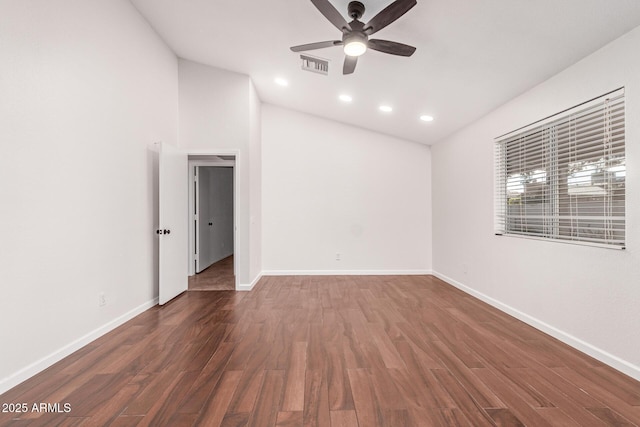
<point x="355" y="44"/>
<point x="355" y="48"/>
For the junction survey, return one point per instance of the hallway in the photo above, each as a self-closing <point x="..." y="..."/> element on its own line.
<point x="217" y="277"/>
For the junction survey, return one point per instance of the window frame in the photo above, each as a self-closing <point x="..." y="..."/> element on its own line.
<point x="546" y="142"/>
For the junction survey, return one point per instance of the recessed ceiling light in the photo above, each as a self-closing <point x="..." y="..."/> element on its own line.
<point x="345" y="98"/>
<point x="385" y="109"/>
<point x="281" y="82"/>
<point x="426" y="118"/>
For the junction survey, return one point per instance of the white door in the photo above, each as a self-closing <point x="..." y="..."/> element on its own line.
<point x="173" y="217"/>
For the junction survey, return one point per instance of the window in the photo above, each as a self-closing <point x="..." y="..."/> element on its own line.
<point x="563" y="178"/>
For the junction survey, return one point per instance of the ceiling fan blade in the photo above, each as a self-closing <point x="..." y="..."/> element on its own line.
<point x="389" y="14"/>
<point x="331" y="14"/>
<point x="394" y="48"/>
<point x="349" y="64"/>
<point x="318" y="45"/>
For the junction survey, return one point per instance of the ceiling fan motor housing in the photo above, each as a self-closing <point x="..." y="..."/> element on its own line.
<point x="355" y="36"/>
<point x="355" y="9"/>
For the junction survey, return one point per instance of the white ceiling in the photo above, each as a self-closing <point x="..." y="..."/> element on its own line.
<point x="472" y="56"/>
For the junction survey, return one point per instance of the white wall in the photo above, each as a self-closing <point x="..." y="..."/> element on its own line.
<point x="85" y="88"/>
<point x="329" y="187"/>
<point x="215" y="188"/>
<point x="216" y="110"/>
<point x="255" y="182"/>
<point x="586" y="296"/>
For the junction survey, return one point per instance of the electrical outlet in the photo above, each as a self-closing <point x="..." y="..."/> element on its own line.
<point x="338" y="256"/>
<point x="102" y="299"/>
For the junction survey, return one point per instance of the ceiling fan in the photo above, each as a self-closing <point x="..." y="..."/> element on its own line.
<point x="355" y="34"/>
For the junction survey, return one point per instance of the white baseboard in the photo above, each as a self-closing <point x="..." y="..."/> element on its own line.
<point x="247" y="287"/>
<point x="42" y="364"/>
<point x="346" y="272"/>
<point x="593" y="351"/>
<point x="250" y="286"/>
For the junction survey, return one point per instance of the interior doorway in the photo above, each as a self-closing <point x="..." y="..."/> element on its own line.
<point x="211" y="223"/>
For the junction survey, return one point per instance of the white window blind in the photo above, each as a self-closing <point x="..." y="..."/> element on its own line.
<point x="563" y="178"/>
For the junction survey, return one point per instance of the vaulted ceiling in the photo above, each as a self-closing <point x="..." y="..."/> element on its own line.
<point x="472" y="56"/>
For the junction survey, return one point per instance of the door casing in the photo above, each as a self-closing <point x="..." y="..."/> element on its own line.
<point x="211" y="160"/>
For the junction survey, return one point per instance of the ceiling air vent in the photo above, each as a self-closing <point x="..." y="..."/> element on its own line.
<point x="317" y="65"/>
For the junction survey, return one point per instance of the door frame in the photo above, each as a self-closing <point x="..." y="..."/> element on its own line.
<point x="210" y="158"/>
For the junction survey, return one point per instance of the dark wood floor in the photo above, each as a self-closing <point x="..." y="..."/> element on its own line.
<point x="329" y="351"/>
<point x="217" y="277"/>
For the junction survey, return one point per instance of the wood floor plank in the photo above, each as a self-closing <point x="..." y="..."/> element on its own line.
<point x="148" y="396"/>
<point x="168" y="402"/>
<point x="474" y="386"/>
<point x="182" y="420"/>
<point x="613" y="401"/>
<point x="124" y="421"/>
<point x="316" y="399"/>
<point x="454" y="417"/>
<point x="73" y="421"/>
<point x="289" y="419"/>
<point x="465" y="402"/>
<point x="514" y="401"/>
<point x="344" y="419"/>
<point x="88" y="399"/>
<point x="452" y="336"/>
<point x="340" y="396"/>
<point x="504" y="417"/>
<point x="281" y="342"/>
<point x="316" y="349"/>
<point x="581" y="416"/>
<point x="386" y="348"/>
<point x="610" y="417"/>
<point x="556" y="417"/>
<point x="386" y="390"/>
<point x="430" y="417"/>
<point x="412" y="389"/>
<point x="396" y="418"/>
<point x="367" y="410"/>
<point x="246" y="348"/>
<point x="207" y="379"/>
<point x="354" y="357"/>
<point x="422" y="347"/>
<point x="265" y="413"/>
<point x="250" y="382"/>
<point x="216" y="407"/>
<point x="432" y="394"/>
<point x="236" y="420"/>
<point x="110" y="410"/>
<point x="294" y="388"/>
<point x="352" y="351"/>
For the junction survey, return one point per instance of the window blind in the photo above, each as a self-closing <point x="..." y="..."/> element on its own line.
<point x="563" y="178"/>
